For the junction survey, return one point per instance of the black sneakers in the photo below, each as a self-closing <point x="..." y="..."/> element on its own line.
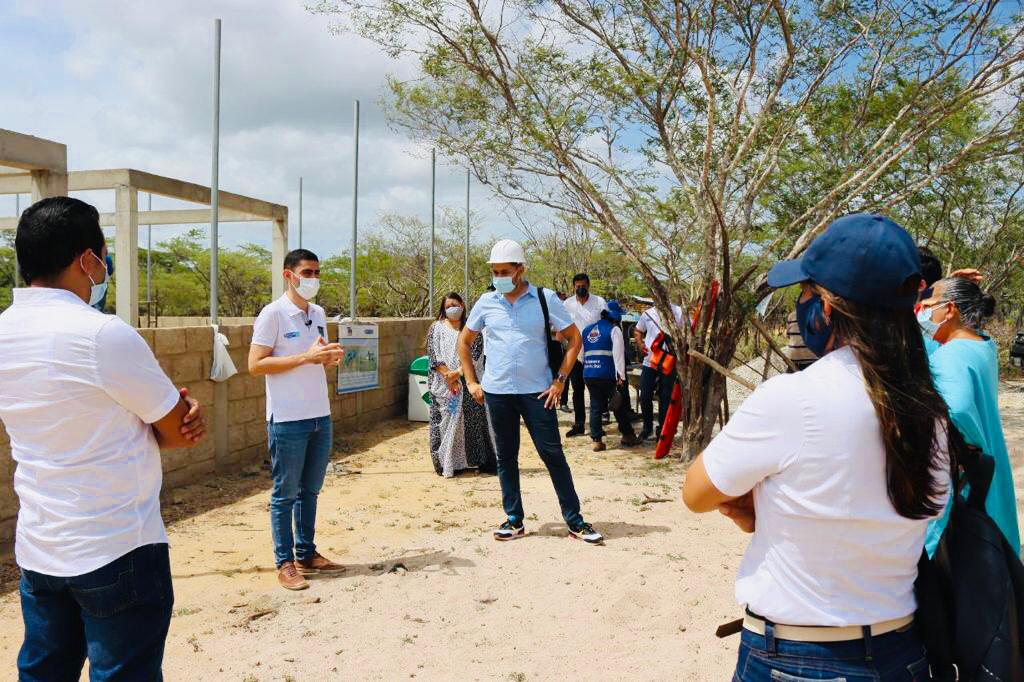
<point x="586" y="533"/>
<point x="575" y="431"/>
<point x="509" y="531"/>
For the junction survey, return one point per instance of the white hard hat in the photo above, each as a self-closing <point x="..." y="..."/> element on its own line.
<point x="507" y="251"/>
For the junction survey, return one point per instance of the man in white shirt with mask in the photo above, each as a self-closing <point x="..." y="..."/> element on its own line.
<point x="585" y="309"/>
<point x="87" y="409"/>
<point x="290" y="348"/>
<point x="647" y="329"/>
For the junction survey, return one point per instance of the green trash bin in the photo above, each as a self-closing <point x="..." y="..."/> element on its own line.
<point x="419" y="394"/>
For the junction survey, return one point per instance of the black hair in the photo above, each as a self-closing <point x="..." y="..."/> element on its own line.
<point x="581" y="277"/>
<point x="441" y="315"/>
<point x="52" y="233"/>
<point x="975" y="305"/>
<point x="297" y="256"/>
<point x="931" y="267"/>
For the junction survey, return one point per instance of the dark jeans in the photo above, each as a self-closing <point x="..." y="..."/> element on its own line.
<point x="504" y="411"/>
<point x="651" y="380"/>
<point x="601" y="391"/>
<point x="579" y="398"/>
<point x="117" y="615"/>
<point x="299" y="453"/>
<point x="893" y="657"/>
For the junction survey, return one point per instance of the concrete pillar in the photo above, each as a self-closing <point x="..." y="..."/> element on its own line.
<point x="278" y="252"/>
<point x="48" y="184"/>
<point x="126" y="253"/>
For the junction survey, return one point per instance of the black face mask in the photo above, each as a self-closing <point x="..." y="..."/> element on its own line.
<point x="582" y="292"/>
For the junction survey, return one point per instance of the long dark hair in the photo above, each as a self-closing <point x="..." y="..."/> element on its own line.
<point x="455" y="297"/>
<point x="888" y="344"/>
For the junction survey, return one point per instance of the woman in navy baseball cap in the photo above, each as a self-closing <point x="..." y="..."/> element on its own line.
<point x="836" y="470"/>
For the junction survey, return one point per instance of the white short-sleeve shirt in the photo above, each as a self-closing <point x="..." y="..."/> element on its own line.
<point x="649" y="325"/>
<point x="829" y="548"/>
<point x="78" y="392"/>
<point x="300" y="393"/>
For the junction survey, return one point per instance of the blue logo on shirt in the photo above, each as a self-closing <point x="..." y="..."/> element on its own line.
<point x="291" y="335"/>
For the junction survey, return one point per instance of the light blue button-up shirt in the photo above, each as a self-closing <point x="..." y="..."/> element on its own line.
<point x="515" y="340"/>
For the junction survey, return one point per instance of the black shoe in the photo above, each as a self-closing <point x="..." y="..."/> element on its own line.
<point x="586" y="533"/>
<point x="509" y="531"/>
<point x="645" y="435"/>
<point x="653" y="437"/>
<point x="575" y="431"/>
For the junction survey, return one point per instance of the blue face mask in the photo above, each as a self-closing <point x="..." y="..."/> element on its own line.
<point x="924" y="319"/>
<point x="98" y="291"/>
<point x="504" y="285"/>
<point x="815" y="330"/>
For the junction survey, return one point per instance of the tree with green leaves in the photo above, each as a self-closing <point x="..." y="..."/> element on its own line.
<point x="705" y="139"/>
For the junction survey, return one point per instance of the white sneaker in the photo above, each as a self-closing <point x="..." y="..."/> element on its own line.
<point x="586" y="533"/>
<point x="509" y="531"/>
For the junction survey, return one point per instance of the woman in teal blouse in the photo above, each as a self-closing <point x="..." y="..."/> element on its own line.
<point x="965" y="368"/>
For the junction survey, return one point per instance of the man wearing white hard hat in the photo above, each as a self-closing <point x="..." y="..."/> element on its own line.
<point x="519" y="382"/>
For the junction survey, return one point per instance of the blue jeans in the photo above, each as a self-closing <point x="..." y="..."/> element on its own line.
<point x="504" y="411"/>
<point x="651" y="380"/>
<point x="892" y="657"/>
<point x="299" y="453"/>
<point x="117" y="615"/>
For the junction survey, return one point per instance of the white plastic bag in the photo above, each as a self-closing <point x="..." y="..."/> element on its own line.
<point x="223" y="366"/>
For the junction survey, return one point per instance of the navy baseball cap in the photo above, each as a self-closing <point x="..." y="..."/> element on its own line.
<point x="614" y="311"/>
<point x="861" y="257"/>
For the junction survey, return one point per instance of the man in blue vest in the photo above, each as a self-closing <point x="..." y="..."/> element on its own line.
<point x="604" y="371"/>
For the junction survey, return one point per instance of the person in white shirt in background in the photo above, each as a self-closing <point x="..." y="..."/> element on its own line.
<point x="290" y="348"/>
<point x="585" y="309"/>
<point x="87" y="409"/>
<point x="646" y="331"/>
<point x="836" y="470"/>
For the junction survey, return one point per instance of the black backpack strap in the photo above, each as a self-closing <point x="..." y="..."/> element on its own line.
<point x="547" y="321"/>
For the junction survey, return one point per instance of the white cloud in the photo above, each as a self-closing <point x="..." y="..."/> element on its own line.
<point x="128" y="84"/>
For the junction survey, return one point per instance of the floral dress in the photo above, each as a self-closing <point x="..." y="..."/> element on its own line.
<point x="460" y="436"/>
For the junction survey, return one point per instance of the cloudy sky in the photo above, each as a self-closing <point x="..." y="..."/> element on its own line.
<point x="128" y="84"/>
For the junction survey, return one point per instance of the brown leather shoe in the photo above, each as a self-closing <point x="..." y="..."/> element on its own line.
<point x="318" y="564"/>
<point x="289" y="577"/>
<point x="599" y="446"/>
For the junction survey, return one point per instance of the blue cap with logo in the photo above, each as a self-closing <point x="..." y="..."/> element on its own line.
<point x="861" y="257"/>
<point x="614" y="311"/>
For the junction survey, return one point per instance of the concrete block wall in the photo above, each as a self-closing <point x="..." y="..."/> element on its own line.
<point x="186" y="355"/>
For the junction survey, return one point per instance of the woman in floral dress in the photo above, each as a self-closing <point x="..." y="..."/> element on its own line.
<point x="460" y="437"/>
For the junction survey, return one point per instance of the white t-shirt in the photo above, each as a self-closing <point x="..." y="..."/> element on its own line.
<point x="300" y="393"/>
<point x="649" y="325"/>
<point x="829" y="549"/>
<point x="78" y="392"/>
<point x="584" y="314"/>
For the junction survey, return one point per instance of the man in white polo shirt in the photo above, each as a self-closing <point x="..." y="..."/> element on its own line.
<point x="87" y="409"/>
<point x="290" y="348"/>
<point x="585" y="309"/>
<point x="646" y="331"/>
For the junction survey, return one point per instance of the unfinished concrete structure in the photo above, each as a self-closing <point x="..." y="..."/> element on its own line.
<point x="39" y="167"/>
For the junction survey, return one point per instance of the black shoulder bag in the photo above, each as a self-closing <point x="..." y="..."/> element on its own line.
<point x="970" y="595"/>
<point x="555" y="353"/>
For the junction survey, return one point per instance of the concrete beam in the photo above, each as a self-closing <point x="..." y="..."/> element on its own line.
<point x="48" y="184"/>
<point x="278" y="251"/>
<point x="18" y="150"/>
<point x="188" y="191"/>
<point x="126" y="250"/>
<point x="200" y="216"/>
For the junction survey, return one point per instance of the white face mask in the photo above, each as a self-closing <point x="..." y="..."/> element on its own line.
<point x="454" y="312"/>
<point x="308" y="287"/>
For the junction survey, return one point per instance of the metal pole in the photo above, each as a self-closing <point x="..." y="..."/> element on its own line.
<point x="214" y="179"/>
<point x="355" y="217"/>
<point x="17" y="214"/>
<point x="433" y="220"/>
<point x="149" y="268"/>
<point x="465" y="257"/>
<point x="300" y="211"/>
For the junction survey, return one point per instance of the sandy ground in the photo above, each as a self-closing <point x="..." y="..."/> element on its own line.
<point x="429" y="595"/>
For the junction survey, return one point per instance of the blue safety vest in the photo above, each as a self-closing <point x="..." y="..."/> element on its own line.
<point x="598" y="360"/>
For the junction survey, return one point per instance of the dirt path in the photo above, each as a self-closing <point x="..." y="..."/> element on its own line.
<point x="428" y="594"/>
